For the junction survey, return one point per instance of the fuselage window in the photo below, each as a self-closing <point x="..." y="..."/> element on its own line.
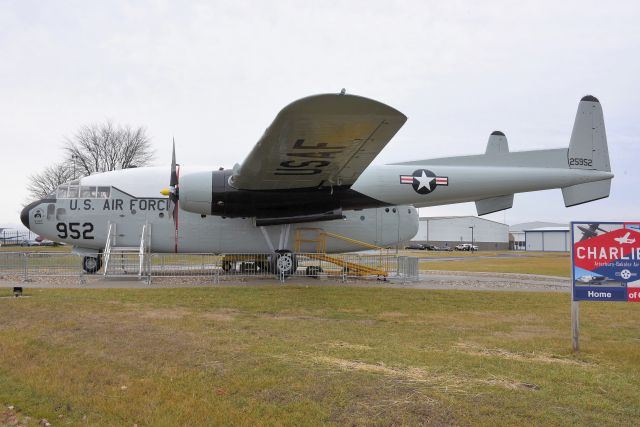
<point x="386" y="209"/>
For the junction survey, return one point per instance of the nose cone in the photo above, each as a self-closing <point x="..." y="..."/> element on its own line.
<point x="24" y="215"/>
<point x="26" y="211"/>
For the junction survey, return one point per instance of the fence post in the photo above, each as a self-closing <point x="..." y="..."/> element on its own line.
<point x="25" y="265"/>
<point x="149" y="266"/>
<point x="81" y="278"/>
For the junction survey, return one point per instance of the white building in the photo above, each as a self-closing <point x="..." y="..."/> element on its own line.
<point x="453" y="230"/>
<point x="548" y="239"/>
<point x="517" y="233"/>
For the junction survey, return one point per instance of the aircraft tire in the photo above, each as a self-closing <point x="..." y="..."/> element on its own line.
<point x="91" y="264"/>
<point x="313" y="271"/>
<point x="248" y="267"/>
<point x="264" y="267"/>
<point x="284" y="263"/>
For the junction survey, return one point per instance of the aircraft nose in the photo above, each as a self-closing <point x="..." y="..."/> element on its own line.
<point x="24" y="215"/>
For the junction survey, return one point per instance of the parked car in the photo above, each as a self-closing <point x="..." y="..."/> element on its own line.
<point x="466" y="247"/>
<point x="430" y="248"/>
<point x="26" y="243"/>
<point x="416" y="246"/>
<point x="442" y="248"/>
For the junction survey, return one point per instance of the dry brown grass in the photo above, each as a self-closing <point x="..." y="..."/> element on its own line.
<point x="315" y="356"/>
<point x="541" y="263"/>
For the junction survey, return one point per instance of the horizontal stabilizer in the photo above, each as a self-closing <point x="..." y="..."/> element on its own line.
<point x="588" y="192"/>
<point x="494" y="204"/>
<point x="497" y="143"/>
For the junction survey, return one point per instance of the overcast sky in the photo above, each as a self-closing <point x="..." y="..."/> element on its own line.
<point x="215" y="74"/>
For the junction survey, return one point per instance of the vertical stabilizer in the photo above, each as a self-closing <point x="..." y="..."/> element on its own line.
<point x="497" y="143"/>
<point x="588" y="147"/>
<point x="588" y="150"/>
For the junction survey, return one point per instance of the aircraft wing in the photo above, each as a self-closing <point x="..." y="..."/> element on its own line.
<point x="321" y="140"/>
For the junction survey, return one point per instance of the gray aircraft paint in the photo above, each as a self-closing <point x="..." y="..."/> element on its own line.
<point x="582" y="171"/>
<point x="128" y="208"/>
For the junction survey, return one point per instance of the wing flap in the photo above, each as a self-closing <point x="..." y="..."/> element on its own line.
<point x="321" y="140"/>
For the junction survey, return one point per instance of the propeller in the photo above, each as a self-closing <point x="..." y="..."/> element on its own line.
<point x="173" y="191"/>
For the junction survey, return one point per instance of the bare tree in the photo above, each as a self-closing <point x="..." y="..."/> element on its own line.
<point x="99" y="147"/>
<point x="106" y="147"/>
<point x="46" y="181"/>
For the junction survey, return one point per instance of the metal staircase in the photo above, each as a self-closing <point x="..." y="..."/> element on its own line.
<point x="379" y="269"/>
<point x="122" y="261"/>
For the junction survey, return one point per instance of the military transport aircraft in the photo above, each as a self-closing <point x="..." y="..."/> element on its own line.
<point x="311" y="171"/>
<point x="590" y="232"/>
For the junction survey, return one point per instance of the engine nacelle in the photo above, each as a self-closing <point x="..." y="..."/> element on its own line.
<point x="196" y="190"/>
<point x="209" y="193"/>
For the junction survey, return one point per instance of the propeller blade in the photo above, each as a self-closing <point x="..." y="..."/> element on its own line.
<point x="174" y="176"/>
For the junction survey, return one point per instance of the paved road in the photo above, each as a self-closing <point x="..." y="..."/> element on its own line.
<point x="428" y="280"/>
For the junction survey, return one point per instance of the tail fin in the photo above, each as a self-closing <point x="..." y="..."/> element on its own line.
<point x="588" y="150"/>
<point x="588" y="146"/>
<point x="497" y="143"/>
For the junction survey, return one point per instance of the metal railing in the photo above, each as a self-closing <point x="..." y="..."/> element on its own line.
<point x="23" y="265"/>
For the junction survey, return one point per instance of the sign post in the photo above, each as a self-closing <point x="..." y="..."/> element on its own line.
<point x="575" y="326"/>
<point x="605" y="266"/>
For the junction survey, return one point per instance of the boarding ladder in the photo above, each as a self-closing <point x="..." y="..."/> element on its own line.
<point x="319" y="237"/>
<point x="126" y="260"/>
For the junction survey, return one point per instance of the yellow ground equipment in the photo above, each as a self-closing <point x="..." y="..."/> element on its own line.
<point x="376" y="265"/>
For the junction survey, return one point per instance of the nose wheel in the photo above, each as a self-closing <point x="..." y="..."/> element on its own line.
<point x="91" y="264"/>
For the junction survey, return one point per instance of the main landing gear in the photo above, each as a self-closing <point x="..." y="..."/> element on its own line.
<point x="284" y="263"/>
<point x="281" y="263"/>
<point x="91" y="264"/>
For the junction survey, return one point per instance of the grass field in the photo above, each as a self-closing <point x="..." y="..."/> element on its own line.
<point x="544" y="263"/>
<point x="319" y="355"/>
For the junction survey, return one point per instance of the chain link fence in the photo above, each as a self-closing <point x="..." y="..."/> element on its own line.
<point x="283" y="265"/>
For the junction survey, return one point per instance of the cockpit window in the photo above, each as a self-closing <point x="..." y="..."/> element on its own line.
<point x="87" y="192"/>
<point x="73" y="191"/>
<point x="103" y="192"/>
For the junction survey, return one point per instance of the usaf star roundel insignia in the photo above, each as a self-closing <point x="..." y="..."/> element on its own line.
<point x="424" y="181"/>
